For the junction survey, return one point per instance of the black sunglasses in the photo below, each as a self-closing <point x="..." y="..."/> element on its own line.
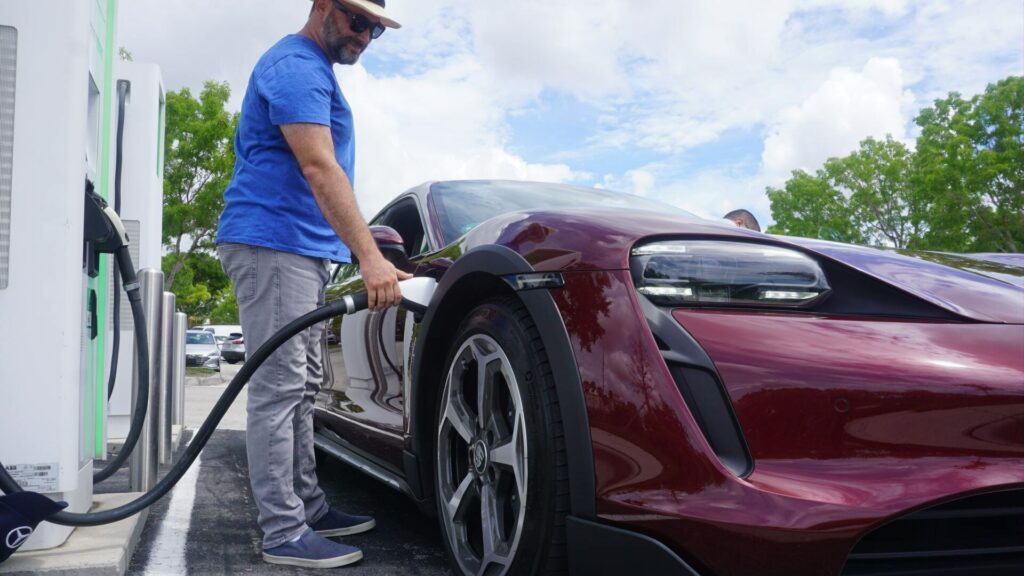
<point x="359" y="23"/>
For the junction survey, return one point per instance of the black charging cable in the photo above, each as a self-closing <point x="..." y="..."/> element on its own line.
<point x="134" y="293"/>
<point x="347" y="305"/>
<point x="124" y="88"/>
<point x="105" y="234"/>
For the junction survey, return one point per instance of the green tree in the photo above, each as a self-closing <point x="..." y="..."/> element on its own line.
<point x="199" y="162"/>
<point x="969" y="168"/>
<point x="961" y="189"/>
<point x="810" y="206"/>
<point x="225" y="311"/>
<point x="876" y="183"/>
<point x="199" y="285"/>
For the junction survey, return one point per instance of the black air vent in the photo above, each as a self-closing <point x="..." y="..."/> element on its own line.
<point x="711" y="408"/>
<point x="979" y="535"/>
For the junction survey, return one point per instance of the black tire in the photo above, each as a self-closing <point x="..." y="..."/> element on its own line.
<point x="232" y="362"/>
<point x="527" y="539"/>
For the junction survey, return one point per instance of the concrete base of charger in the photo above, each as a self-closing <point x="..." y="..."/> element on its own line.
<point x="93" y="551"/>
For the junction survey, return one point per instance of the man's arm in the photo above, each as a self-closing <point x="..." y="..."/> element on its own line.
<point x="314" y="149"/>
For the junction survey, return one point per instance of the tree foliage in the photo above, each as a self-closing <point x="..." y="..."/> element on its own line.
<point x="809" y="206"/>
<point x="958" y="190"/>
<point x="225" y="311"/>
<point x="199" y="161"/>
<point x="199" y="285"/>
<point x="970" y="168"/>
<point x="875" y="182"/>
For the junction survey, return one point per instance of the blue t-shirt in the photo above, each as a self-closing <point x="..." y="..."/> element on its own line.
<point x="268" y="201"/>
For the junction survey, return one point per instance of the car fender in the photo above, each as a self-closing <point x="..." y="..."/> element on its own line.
<point x="496" y="261"/>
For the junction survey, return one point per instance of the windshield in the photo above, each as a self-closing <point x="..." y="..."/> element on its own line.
<point x="462" y="205"/>
<point x="198" y="338"/>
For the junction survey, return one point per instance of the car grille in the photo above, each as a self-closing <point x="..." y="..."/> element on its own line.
<point x="194" y="360"/>
<point x="979" y="535"/>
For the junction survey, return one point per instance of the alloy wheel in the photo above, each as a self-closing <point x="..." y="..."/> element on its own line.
<point x="482" y="458"/>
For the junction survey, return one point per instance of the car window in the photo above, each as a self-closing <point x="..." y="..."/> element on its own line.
<point x="343" y="273"/>
<point x="404" y="217"/>
<point x="199" y="338"/>
<point x="462" y="205"/>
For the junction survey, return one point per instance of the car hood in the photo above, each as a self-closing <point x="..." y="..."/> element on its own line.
<point x="983" y="287"/>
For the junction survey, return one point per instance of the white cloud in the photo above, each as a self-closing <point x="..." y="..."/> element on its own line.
<point x="569" y="46"/>
<point x="847" y="108"/>
<point x="639" y="182"/>
<point x="196" y="40"/>
<point x="713" y="192"/>
<point x="437" y="126"/>
<point x="664" y="77"/>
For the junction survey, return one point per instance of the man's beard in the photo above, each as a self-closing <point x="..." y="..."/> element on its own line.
<point x="335" y="41"/>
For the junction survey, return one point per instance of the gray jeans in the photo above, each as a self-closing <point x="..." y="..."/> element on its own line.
<point x="273" y="288"/>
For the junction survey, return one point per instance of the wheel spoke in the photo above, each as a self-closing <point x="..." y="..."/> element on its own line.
<point x="504" y="454"/>
<point x="461" y="421"/>
<point x="485" y="393"/>
<point x="489" y="522"/>
<point x="463" y="494"/>
<point x="510" y="455"/>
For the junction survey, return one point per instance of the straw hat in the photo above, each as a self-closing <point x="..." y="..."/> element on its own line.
<point x="375" y="8"/>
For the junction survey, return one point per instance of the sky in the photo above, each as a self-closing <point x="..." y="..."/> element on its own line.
<point x="698" y="103"/>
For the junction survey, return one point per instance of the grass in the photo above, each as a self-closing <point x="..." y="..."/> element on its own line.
<point x="197" y="372"/>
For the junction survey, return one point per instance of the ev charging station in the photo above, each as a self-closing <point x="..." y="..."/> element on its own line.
<point x="58" y="120"/>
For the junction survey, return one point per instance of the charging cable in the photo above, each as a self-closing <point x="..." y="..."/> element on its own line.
<point x="416" y="296"/>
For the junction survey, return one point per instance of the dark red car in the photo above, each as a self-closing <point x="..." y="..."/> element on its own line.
<point x="608" y="385"/>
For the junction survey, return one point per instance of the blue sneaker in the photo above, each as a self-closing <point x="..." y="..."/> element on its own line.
<point x="337" y="523"/>
<point x="313" y="551"/>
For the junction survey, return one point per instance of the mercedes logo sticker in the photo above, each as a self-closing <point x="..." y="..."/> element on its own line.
<point x="18" y="536"/>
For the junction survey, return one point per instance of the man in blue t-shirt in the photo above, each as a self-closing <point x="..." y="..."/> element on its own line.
<point x="289" y="212"/>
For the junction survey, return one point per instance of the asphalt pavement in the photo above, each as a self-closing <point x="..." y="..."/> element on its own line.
<point x="207" y="524"/>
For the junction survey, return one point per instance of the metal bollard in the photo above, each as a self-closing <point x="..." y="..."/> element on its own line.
<point x="144" y="458"/>
<point x="178" y="369"/>
<point x="164" y="440"/>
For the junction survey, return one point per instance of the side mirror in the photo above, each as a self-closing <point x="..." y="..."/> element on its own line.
<point x="391" y="245"/>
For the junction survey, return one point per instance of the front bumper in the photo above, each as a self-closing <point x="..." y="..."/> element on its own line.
<point x="596" y="548"/>
<point x="850" y="423"/>
<point x="202" y="361"/>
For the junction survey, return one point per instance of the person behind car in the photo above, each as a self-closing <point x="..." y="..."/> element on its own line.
<point x="289" y="211"/>
<point x="743" y="219"/>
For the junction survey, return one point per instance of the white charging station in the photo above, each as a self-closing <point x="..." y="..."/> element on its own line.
<point x="58" y="101"/>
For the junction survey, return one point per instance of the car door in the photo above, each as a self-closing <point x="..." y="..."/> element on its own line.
<point x="366" y="354"/>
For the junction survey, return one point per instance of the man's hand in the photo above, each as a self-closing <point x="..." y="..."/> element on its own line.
<point x="381" y="280"/>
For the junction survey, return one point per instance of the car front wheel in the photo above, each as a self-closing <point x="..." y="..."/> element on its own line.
<point x="501" y="480"/>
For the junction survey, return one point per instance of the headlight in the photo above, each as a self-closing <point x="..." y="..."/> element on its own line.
<point x="705" y="272"/>
<point x="212" y="355"/>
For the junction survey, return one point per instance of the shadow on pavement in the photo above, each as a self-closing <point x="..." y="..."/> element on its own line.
<point x="224" y="538"/>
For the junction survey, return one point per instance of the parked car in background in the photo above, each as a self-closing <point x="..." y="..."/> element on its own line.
<point x="232" y="349"/>
<point x="616" y="385"/>
<point x="201" y="350"/>
<point x="229" y="330"/>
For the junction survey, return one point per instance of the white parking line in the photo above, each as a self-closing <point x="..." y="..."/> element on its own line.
<point x="168" y="554"/>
